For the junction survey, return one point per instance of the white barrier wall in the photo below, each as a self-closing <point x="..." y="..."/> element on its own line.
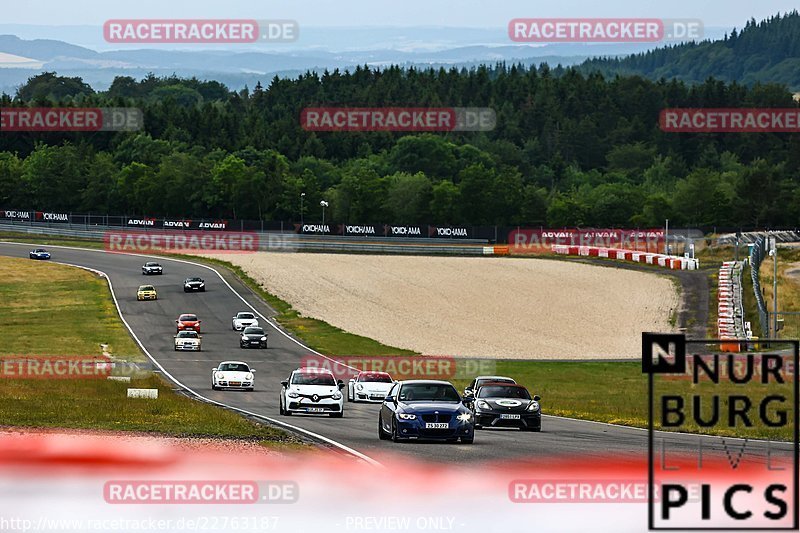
<point x="665" y="261"/>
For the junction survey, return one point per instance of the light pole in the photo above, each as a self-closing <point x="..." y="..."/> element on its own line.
<point x="302" y="196"/>
<point x="323" y="204"/>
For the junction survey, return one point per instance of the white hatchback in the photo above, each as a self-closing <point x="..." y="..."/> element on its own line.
<point x="244" y="320"/>
<point x="312" y="391"/>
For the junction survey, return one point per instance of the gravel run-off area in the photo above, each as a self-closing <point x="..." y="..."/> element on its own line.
<point x="509" y="308"/>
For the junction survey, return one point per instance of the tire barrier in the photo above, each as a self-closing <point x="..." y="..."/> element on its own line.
<point x="665" y="261"/>
<point x="730" y="310"/>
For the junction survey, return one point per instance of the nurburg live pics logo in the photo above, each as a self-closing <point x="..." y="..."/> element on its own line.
<point x="749" y="481"/>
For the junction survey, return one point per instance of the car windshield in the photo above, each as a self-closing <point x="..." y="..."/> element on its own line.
<point x="152" y="264"/>
<point x="188" y="335"/>
<point x="194" y="279"/>
<point x="500" y="391"/>
<point x="38" y="250"/>
<point x="245" y="315"/>
<point x="234" y="367"/>
<point x="415" y="392"/>
<point x="315" y="378"/>
<point x="253" y="331"/>
<point x="188" y="318"/>
<point x="493" y="380"/>
<point x="147" y="288"/>
<point x="375" y="377"/>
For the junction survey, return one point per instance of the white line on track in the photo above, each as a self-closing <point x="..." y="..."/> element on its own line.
<point x="297" y="429"/>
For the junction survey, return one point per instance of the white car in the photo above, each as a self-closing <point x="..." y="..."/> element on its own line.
<point x="187" y="340"/>
<point x="233" y="375"/>
<point x="152" y="267"/>
<point x="476" y="383"/>
<point x="244" y="320"/>
<point x="369" y="387"/>
<point x="312" y="391"/>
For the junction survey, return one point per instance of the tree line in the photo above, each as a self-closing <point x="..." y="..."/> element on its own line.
<point x="569" y="149"/>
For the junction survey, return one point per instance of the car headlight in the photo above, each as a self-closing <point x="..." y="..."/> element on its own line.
<point x="483" y="405"/>
<point x="293" y="394"/>
<point x="360" y="386"/>
<point x="337" y="395"/>
<point x="263" y="338"/>
<point x="464" y="417"/>
<point x="406" y="416"/>
<point x="249" y="377"/>
<point x="202" y="284"/>
<point x="218" y="375"/>
<point x="534" y="406"/>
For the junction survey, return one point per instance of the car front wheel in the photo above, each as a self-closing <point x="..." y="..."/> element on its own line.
<point x="467" y="440"/>
<point x="381" y="434"/>
<point x="395" y="436"/>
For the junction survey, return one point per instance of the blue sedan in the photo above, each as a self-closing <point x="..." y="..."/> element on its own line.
<point x="425" y="410"/>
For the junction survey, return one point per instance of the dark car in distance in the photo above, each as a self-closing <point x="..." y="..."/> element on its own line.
<point x="253" y="337"/>
<point x="194" y="284"/>
<point x="498" y="405"/>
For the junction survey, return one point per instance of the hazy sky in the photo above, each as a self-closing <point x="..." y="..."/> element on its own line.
<point x="472" y="13"/>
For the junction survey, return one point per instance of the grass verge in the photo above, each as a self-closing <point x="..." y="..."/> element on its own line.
<point x="53" y="310"/>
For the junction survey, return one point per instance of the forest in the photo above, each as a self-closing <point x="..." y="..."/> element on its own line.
<point x="571" y="148"/>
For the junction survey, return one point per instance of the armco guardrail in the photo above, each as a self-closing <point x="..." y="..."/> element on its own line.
<point x="757" y="253"/>
<point x="287" y="242"/>
<point x="666" y="261"/>
<point x="730" y="309"/>
<point x="751" y="237"/>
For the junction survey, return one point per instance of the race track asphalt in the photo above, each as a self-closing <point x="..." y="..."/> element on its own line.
<point x="154" y="325"/>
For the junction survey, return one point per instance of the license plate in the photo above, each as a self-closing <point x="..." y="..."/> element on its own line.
<point x="510" y="417"/>
<point x="437" y="425"/>
<point x="314" y="409"/>
<point x="235" y="383"/>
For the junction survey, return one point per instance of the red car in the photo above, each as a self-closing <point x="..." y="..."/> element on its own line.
<point x="188" y="322"/>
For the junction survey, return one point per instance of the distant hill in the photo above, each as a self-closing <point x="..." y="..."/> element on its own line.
<point x="767" y="51"/>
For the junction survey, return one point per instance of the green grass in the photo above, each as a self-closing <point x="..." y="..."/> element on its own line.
<point x="44" y="302"/>
<point x="102" y="404"/>
<point x="55" y="310"/>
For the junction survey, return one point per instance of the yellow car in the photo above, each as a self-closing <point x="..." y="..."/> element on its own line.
<point x="146" y="292"/>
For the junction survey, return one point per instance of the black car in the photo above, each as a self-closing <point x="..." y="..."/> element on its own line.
<point x="506" y="405"/>
<point x="253" y="337"/>
<point x="194" y="284"/>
